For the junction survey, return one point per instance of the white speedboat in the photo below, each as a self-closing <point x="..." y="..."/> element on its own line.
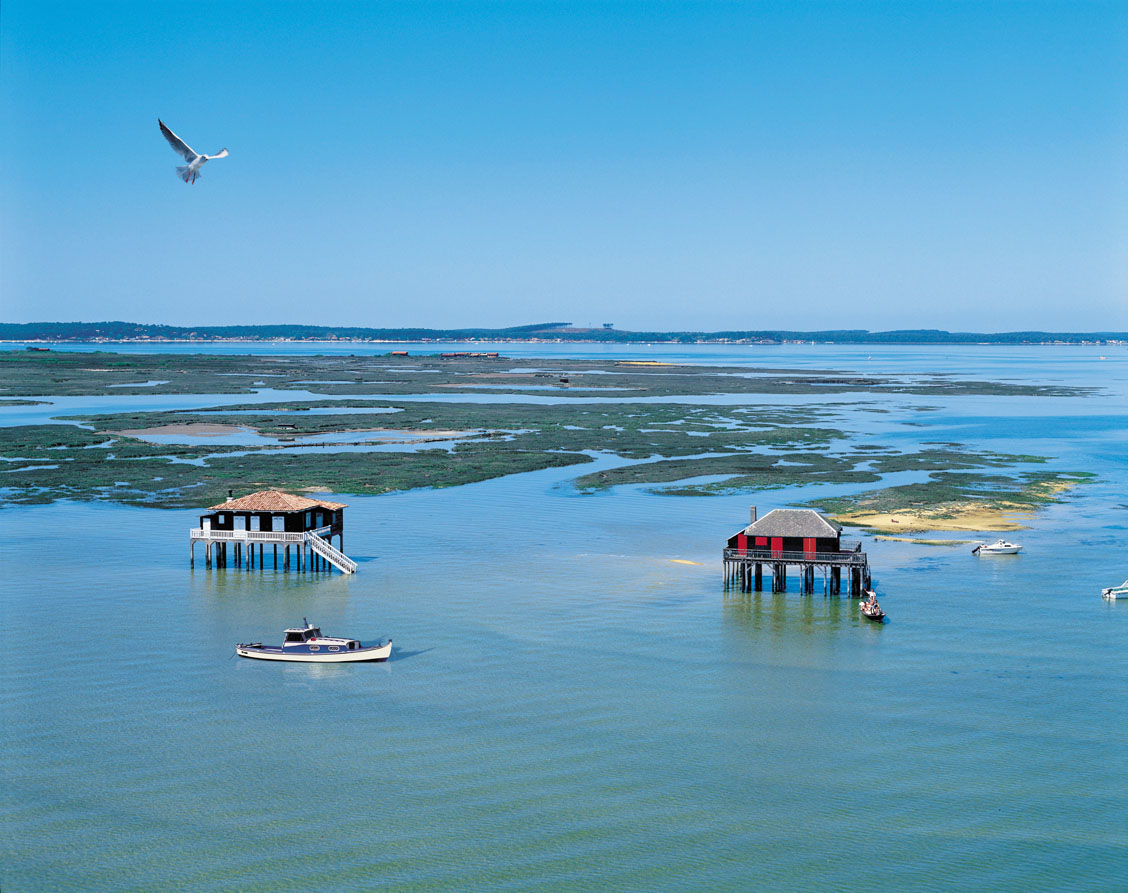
<point x="308" y="645"/>
<point x="1001" y="547"/>
<point x="1115" y="592"/>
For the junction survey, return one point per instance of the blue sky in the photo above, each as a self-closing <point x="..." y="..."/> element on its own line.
<point x="656" y="165"/>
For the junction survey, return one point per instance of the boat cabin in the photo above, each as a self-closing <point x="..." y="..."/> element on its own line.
<point x="309" y="638"/>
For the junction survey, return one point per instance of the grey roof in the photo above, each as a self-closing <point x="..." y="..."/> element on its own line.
<point x="794" y="522"/>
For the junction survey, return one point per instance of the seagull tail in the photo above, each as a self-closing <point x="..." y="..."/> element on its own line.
<point x="184" y="173"/>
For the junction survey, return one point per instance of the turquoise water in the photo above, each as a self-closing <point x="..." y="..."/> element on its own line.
<point x="567" y="708"/>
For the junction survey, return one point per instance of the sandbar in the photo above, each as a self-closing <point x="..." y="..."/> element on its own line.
<point x="951" y="516"/>
<point x="195" y="429"/>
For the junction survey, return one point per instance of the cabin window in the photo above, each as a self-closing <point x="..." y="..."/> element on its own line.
<point x="293" y="637"/>
<point x="352" y="646"/>
<point x="314" y="647"/>
<point x="334" y="648"/>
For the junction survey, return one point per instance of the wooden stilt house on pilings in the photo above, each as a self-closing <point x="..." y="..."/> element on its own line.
<point x="231" y="531"/>
<point x="799" y="538"/>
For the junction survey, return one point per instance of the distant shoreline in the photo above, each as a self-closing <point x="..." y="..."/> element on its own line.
<point x="47" y="333"/>
<point x="111" y="341"/>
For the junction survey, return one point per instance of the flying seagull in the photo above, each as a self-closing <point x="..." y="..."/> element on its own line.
<point x="190" y="171"/>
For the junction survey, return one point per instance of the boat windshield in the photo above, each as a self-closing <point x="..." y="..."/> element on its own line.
<point x="314" y="633"/>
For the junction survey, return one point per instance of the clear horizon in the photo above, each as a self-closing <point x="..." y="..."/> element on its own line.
<point x="664" y="166"/>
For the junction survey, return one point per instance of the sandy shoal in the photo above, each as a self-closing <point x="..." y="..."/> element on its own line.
<point x="919" y="541"/>
<point x="404" y="435"/>
<point x="952" y="516"/>
<point x="947" y="517"/>
<point x="196" y="429"/>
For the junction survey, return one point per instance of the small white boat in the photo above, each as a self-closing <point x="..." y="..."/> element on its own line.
<point x="308" y="645"/>
<point x="1001" y="547"/>
<point x="1115" y="592"/>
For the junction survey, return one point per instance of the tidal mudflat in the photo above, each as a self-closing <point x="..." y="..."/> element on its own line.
<point x="574" y="702"/>
<point x="656" y="418"/>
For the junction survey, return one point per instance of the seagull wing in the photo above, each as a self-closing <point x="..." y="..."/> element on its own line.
<point x="222" y="153"/>
<point x="178" y="145"/>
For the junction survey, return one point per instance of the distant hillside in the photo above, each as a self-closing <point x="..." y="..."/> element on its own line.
<point x="563" y="331"/>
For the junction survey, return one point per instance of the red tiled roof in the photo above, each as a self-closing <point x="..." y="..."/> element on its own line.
<point x="275" y="501"/>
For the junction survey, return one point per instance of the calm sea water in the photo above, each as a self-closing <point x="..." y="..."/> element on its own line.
<point x="567" y="707"/>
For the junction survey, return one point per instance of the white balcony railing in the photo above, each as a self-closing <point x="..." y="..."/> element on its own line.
<point x="768" y="556"/>
<point x="251" y="536"/>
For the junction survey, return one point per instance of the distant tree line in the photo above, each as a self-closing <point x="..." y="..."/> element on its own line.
<point x="129" y="331"/>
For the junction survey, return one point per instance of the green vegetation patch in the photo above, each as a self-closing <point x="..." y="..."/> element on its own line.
<point x="636" y="431"/>
<point x="748" y="472"/>
<point x="33" y="373"/>
<point x="954" y="500"/>
<point x="65" y="462"/>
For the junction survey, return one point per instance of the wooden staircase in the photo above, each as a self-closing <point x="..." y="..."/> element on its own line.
<point x="334" y="556"/>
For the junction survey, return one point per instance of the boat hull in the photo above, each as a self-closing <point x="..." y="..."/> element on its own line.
<point x="877" y="616"/>
<point x="375" y="654"/>
<point x="1002" y="547"/>
<point x="1113" y="594"/>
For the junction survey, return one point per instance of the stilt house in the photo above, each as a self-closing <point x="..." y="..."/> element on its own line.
<point x="272" y="517"/>
<point x="800" y="538"/>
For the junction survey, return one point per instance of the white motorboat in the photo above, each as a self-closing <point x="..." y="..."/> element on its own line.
<point x="1115" y="592"/>
<point x="1000" y="547"/>
<point x="307" y="645"/>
